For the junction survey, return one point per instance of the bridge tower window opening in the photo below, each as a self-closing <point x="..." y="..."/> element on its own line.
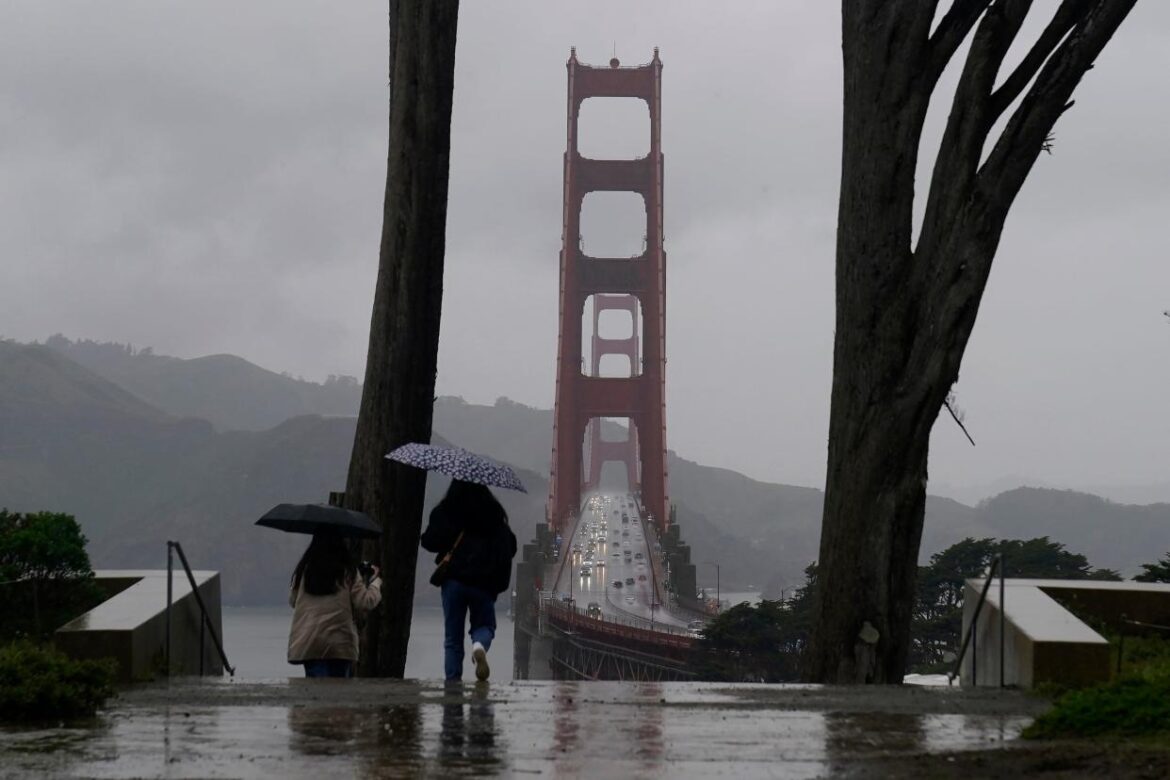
<point x="613" y="128"/>
<point x="613" y="224"/>
<point x="615" y="323"/>
<point x="613" y="366"/>
<point x="614" y="478"/>
<point x="611" y="448"/>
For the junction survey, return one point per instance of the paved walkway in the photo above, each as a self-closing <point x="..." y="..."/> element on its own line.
<point x="324" y="729"/>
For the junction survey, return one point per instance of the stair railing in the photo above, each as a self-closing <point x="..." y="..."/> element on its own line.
<point x="969" y="636"/>
<point x="205" y="625"/>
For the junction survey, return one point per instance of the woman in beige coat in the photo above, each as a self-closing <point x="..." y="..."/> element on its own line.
<point x="327" y="593"/>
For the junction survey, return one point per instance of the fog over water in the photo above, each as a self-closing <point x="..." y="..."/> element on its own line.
<point x="206" y="178"/>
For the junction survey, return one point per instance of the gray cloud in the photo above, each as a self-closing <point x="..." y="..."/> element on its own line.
<point x="208" y="177"/>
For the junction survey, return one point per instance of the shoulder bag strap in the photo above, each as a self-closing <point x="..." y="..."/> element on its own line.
<point x="447" y="557"/>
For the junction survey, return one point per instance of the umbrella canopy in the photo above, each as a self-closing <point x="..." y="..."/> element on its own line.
<point x="458" y="463"/>
<point x="319" y="518"/>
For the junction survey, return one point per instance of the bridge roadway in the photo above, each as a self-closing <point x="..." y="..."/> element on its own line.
<point x="635" y="599"/>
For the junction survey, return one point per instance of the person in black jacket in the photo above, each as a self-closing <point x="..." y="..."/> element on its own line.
<point x="470" y="524"/>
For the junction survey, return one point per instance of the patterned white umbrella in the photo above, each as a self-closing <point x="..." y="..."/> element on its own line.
<point x="458" y="463"/>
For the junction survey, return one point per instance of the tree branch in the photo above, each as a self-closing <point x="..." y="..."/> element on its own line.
<point x="952" y="31"/>
<point x="949" y="403"/>
<point x="1056" y="30"/>
<point x="966" y="228"/>
<point x="1022" y="140"/>
<point x="970" y="121"/>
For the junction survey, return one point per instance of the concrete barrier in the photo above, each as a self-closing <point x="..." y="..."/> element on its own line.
<point x="130" y="627"/>
<point x="1044" y="640"/>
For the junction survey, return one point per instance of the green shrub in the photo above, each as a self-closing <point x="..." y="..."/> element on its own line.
<point x="39" y="683"/>
<point x="1137" y="705"/>
<point x="45" y="574"/>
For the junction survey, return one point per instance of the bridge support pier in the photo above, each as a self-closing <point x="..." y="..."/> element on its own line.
<point x="532" y="650"/>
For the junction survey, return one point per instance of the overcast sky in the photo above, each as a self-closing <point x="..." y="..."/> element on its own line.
<point x="207" y="177"/>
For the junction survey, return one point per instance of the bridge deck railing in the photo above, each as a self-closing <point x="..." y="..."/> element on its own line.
<point x="658" y="572"/>
<point x="570" y="615"/>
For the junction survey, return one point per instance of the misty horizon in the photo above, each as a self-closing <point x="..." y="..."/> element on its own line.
<point x="970" y="494"/>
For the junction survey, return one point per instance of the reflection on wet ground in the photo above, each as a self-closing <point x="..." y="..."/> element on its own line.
<point x="407" y="728"/>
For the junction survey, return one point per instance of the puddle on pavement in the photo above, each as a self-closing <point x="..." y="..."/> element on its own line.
<point x="571" y="728"/>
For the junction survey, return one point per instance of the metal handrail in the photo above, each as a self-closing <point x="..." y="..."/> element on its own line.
<point x="656" y="582"/>
<point x="968" y="638"/>
<point x="628" y="620"/>
<point x="576" y="617"/>
<point x="173" y="547"/>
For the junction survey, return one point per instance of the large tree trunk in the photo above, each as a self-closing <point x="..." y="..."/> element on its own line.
<point x="398" y="395"/>
<point x="905" y="312"/>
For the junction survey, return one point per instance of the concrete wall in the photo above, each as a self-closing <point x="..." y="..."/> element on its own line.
<point x="130" y="627"/>
<point x="1044" y="640"/>
<point x="981" y="664"/>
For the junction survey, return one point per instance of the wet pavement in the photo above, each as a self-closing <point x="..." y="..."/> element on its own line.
<point x="323" y="728"/>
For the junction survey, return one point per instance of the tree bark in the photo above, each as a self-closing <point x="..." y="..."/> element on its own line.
<point x="398" y="395"/>
<point x="905" y="312"/>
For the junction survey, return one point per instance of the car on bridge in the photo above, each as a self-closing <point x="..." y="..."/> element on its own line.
<point x="593" y="610"/>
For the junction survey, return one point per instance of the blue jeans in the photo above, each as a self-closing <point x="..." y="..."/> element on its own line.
<point x="460" y="601"/>
<point x="329" y="667"/>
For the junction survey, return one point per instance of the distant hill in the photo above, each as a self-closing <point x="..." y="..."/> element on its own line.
<point x="136" y="477"/>
<point x="1110" y="535"/>
<point x="72" y="441"/>
<point x="227" y="391"/>
<point x="37" y="386"/>
<point x="137" y="473"/>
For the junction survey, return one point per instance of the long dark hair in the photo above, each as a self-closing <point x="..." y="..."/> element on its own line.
<point x="325" y="567"/>
<point x="473" y="505"/>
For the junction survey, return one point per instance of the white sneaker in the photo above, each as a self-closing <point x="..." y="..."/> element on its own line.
<point x="479" y="656"/>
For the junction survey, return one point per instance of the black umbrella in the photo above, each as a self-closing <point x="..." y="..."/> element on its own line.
<point x="318" y="518"/>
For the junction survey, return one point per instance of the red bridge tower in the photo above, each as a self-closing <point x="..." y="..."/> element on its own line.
<point x="615" y="283"/>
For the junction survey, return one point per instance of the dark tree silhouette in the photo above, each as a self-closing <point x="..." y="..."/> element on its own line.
<point x="1155" y="572"/>
<point x="398" y="393"/>
<point x="905" y="311"/>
